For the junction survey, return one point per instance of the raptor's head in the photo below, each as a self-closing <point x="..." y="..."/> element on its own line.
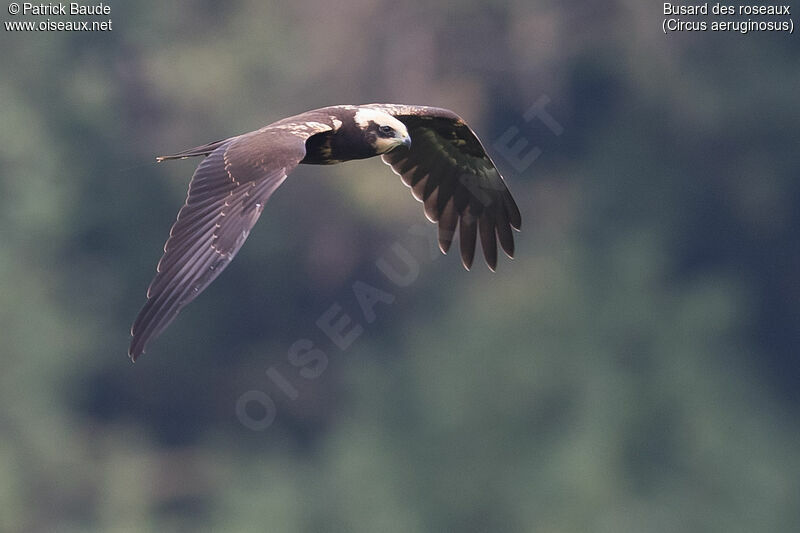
<point x="382" y="130"/>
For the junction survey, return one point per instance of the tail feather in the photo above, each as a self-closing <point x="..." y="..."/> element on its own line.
<point x="192" y="152"/>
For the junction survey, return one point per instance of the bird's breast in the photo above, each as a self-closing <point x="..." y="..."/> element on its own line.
<point x="329" y="148"/>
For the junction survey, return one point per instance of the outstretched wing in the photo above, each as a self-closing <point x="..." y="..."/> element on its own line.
<point x="448" y="170"/>
<point x="226" y="196"/>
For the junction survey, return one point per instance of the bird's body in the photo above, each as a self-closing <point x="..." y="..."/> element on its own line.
<point x="436" y="154"/>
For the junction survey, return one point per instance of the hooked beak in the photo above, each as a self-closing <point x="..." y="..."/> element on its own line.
<point x="407" y="141"/>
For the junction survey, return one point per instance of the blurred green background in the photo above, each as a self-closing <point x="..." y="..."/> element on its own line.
<point x="634" y="369"/>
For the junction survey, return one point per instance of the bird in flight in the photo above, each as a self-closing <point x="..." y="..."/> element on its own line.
<point x="432" y="149"/>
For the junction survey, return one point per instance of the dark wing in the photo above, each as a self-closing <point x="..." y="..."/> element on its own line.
<point x="449" y="171"/>
<point x="226" y="196"/>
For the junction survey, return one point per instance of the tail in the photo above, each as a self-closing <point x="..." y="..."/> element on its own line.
<point x="192" y="152"/>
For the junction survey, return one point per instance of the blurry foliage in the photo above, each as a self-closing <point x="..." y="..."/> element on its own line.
<point x="634" y="369"/>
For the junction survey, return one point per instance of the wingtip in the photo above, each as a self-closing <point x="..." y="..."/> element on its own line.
<point x="135" y="350"/>
<point x="133" y="354"/>
<point x="509" y="252"/>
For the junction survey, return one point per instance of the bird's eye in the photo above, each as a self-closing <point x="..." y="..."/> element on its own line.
<point x="386" y="129"/>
